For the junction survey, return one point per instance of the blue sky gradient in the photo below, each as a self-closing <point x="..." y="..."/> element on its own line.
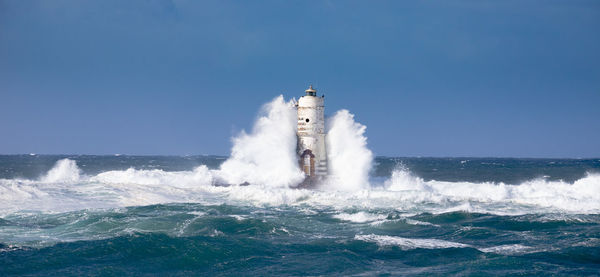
<point x="428" y="78"/>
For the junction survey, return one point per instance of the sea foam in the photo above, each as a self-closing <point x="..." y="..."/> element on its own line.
<point x="360" y="217"/>
<point x="415" y="243"/>
<point x="265" y="160"/>
<point x="581" y="196"/>
<point x="401" y="193"/>
<point x="409" y="243"/>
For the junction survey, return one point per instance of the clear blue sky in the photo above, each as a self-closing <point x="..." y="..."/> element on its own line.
<point x="428" y="78"/>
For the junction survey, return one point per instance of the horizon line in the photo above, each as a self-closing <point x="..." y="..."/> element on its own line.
<point x="376" y="156"/>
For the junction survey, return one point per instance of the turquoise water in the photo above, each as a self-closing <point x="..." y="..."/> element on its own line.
<point x="123" y="215"/>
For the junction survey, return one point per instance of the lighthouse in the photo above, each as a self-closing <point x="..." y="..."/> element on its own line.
<point x="312" y="155"/>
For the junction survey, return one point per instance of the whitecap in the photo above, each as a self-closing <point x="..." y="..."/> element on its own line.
<point x="508" y="249"/>
<point x="409" y="243"/>
<point x="360" y="217"/>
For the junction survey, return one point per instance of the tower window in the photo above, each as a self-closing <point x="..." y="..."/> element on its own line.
<point x="307" y="120"/>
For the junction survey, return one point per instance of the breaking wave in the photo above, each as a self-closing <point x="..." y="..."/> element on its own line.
<point x="263" y="166"/>
<point x="267" y="155"/>
<point x="64" y="171"/>
<point x="349" y="158"/>
<point x="581" y="196"/>
<point x="402" y="192"/>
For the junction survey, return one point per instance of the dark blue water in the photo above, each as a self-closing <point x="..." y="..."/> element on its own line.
<point x="123" y="215"/>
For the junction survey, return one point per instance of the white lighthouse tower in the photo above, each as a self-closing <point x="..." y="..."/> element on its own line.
<point x="311" y="134"/>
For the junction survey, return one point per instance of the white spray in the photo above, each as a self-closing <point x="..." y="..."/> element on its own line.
<point x="266" y="159"/>
<point x="65" y="170"/>
<point x="349" y="158"/>
<point x="267" y="155"/>
<point x="403" y="192"/>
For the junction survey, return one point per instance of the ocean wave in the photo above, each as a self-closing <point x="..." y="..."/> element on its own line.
<point x="69" y="190"/>
<point x="263" y="166"/>
<point x="509" y="249"/>
<point x="582" y="196"/>
<point x="417" y="243"/>
<point x="360" y="217"/>
<point x="64" y="170"/>
<point x="410" y="243"/>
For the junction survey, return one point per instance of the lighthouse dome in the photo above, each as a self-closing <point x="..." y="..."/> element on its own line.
<point x="311" y="91"/>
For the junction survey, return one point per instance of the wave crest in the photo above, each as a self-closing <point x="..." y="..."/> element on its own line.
<point x="581" y="196"/>
<point x="64" y="188"/>
<point x="64" y="170"/>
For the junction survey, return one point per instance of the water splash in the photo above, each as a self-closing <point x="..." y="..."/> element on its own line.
<point x="266" y="159"/>
<point x="402" y="192"/>
<point x="349" y="159"/>
<point x="64" y="170"/>
<point x="267" y="155"/>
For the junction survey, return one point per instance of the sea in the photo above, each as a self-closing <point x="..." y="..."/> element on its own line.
<point x="121" y="215"/>
<point x="244" y="214"/>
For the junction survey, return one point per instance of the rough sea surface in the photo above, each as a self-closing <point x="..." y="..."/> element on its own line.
<point x="162" y="215"/>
